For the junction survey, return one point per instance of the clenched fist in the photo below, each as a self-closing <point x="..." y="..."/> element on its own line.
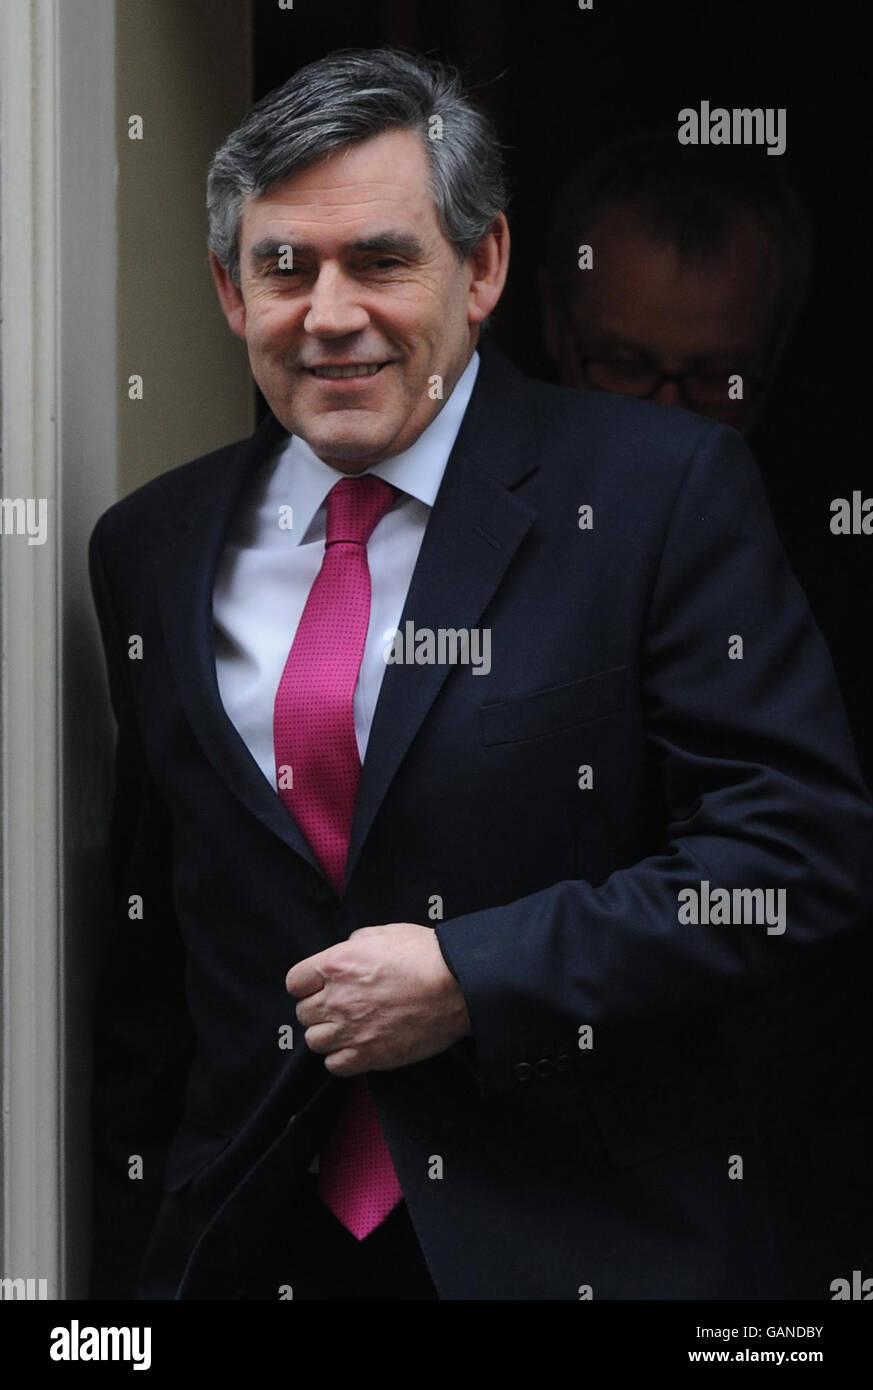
<point x="382" y="999"/>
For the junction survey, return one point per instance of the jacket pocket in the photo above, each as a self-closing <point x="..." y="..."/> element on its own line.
<point x="558" y="707"/>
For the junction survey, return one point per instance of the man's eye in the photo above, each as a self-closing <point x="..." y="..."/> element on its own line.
<point x="386" y="262"/>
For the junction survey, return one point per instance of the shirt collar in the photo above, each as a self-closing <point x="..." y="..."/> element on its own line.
<point x="302" y="480"/>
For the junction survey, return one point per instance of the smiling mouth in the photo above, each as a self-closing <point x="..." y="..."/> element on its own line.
<point x="338" y="373"/>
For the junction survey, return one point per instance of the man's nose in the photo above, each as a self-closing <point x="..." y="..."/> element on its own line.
<point x="334" y="309"/>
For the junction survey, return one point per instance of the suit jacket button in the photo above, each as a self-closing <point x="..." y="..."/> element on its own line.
<point x="544" y="1067"/>
<point x="562" y="1063"/>
<point x="523" y="1071"/>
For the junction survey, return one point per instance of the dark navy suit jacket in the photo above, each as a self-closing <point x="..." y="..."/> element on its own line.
<point x="612" y="1168"/>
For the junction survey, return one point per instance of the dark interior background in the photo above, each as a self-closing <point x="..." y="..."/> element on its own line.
<point x="558" y="81"/>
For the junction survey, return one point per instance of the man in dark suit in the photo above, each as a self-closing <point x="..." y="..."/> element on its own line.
<point x="481" y="775"/>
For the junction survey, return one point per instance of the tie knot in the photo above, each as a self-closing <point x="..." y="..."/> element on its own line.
<point x="355" y="506"/>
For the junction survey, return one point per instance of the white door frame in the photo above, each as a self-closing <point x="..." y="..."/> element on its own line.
<point x="72" y="187"/>
<point x="57" y="282"/>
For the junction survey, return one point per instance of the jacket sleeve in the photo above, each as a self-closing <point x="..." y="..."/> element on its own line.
<point x="143" y="1040"/>
<point x="762" y="791"/>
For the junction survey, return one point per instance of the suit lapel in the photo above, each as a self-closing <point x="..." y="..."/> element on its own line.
<point x="472" y="535"/>
<point x="184" y="576"/>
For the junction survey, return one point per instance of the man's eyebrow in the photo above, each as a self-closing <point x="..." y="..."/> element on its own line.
<point x="403" y="243"/>
<point x="395" y="242"/>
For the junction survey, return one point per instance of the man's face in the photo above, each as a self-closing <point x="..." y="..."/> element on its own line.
<point x="637" y="306"/>
<point x="374" y="281"/>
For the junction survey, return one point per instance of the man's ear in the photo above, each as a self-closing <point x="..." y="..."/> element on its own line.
<point x="489" y="262"/>
<point x="229" y="296"/>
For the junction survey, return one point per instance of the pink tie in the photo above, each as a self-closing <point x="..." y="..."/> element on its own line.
<point x="314" y="737"/>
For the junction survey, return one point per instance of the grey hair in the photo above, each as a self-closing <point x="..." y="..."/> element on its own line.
<point x="345" y="98"/>
<point x="690" y="198"/>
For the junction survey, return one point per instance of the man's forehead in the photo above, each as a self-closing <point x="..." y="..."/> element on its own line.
<point x="367" y="218"/>
<point x="641" y="279"/>
<point x="265" y="237"/>
<point x="390" y="167"/>
<point x="620" y="238"/>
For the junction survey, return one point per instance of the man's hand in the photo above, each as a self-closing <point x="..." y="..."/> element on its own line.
<point x="382" y="999"/>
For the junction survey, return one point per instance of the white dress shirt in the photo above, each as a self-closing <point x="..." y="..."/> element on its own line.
<point x="265" y="572"/>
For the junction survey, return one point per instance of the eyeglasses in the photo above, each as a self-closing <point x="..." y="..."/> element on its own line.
<point x="643" y="379"/>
